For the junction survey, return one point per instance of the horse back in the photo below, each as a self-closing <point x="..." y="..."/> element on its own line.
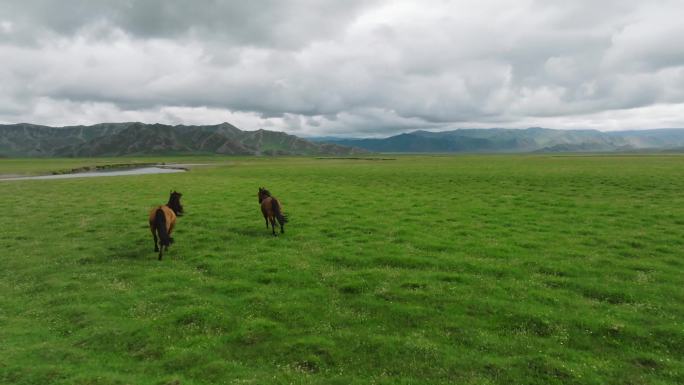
<point x="266" y="206"/>
<point x="169" y="215"/>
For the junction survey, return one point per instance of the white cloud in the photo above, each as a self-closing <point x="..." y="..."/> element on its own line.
<point x="345" y="68"/>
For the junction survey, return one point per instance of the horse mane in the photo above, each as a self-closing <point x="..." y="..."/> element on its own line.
<point x="263" y="194"/>
<point x="174" y="203"/>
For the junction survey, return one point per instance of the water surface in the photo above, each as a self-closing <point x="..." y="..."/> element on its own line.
<point x="91" y="174"/>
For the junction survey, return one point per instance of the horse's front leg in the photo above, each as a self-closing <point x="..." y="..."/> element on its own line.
<point x="170" y="230"/>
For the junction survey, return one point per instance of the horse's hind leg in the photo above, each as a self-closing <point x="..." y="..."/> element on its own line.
<point x="161" y="250"/>
<point x="273" y="222"/>
<point x="282" y="227"/>
<point x="154" y="236"/>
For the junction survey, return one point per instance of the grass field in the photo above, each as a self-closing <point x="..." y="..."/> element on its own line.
<point x="419" y="270"/>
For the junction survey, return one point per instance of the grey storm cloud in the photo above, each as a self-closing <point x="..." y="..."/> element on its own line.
<point x="270" y="23"/>
<point x="344" y="67"/>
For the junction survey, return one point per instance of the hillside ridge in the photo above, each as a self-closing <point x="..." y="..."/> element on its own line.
<point x="533" y="139"/>
<point x="135" y="138"/>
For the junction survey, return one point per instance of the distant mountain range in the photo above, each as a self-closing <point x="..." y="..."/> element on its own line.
<point x="117" y="139"/>
<point x="520" y="140"/>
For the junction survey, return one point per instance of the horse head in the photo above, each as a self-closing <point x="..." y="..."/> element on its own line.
<point x="263" y="194"/>
<point x="174" y="203"/>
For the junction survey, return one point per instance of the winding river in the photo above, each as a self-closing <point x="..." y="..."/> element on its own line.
<point x="91" y="174"/>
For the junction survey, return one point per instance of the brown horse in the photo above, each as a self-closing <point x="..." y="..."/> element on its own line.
<point x="272" y="210"/>
<point x="162" y="221"/>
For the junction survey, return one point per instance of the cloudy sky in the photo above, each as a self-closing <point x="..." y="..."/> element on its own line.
<point x="344" y="67"/>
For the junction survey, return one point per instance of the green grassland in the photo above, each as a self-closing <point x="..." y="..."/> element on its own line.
<point x="419" y="270"/>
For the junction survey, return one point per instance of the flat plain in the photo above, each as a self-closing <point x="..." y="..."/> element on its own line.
<point x="502" y="269"/>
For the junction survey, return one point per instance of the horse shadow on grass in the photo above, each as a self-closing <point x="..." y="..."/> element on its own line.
<point x="111" y="254"/>
<point x="139" y="250"/>
<point x="251" y="232"/>
<point x="143" y="248"/>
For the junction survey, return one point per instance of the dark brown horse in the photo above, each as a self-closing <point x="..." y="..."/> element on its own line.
<point x="162" y="221"/>
<point x="272" y="210"/>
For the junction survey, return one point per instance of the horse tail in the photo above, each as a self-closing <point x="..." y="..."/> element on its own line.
<point x="275" y="206"/>
<point x="160" y="225"/>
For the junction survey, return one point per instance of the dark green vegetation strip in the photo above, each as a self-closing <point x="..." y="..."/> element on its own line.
<point x="472" y="269"/>
<point x="355" y="158"/>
